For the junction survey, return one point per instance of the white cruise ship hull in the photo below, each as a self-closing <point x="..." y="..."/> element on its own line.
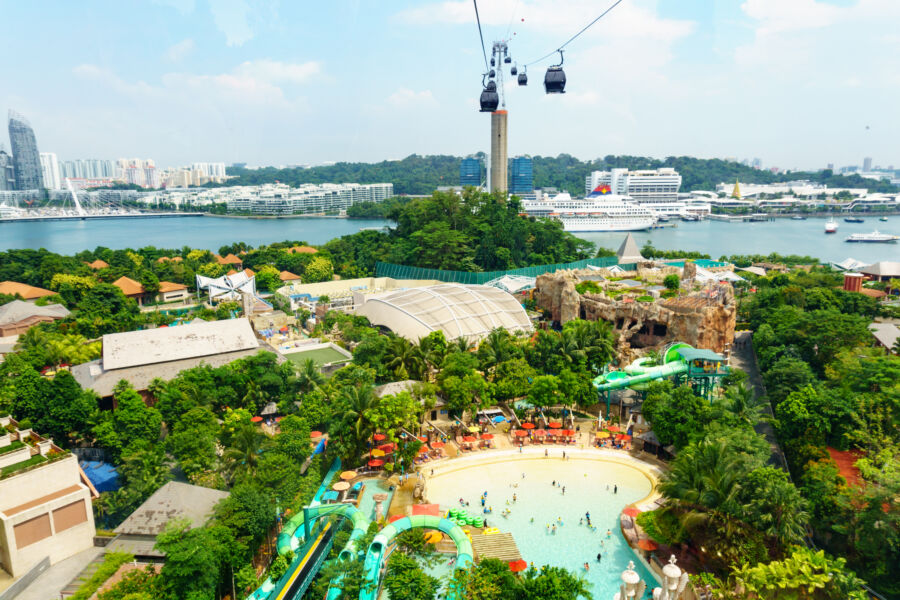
<point x="600" y="224"/>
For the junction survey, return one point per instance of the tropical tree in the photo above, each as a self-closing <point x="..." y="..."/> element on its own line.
<point x="404" y="359"/>
<point x="740" y="402"/>
<point x="242" y="455"/>
<point x="496" y="348"/>
<point x="309" y="377"/>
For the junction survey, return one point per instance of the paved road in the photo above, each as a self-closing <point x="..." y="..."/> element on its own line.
<point x="52" y="581"/>
<point x="743" y="357"/>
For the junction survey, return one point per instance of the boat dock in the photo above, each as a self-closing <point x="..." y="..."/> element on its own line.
<point x="496" y="545"/>
<point x="90" y="217"/>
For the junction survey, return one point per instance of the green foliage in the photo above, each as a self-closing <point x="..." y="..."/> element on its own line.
<point x="191" y="567"/>
<point x="671" y="282"/>
<point x="675" y="413"/>
<point x="491" y="579"/>
<point x="318" y="269"/>
<point x="662" y="525"/>
<point x="131" y="422"/>
<point x="136" y="584"/>
<point x="588" y="287"/>
<point x="405" y="579"/>
<point x="803" y="574"/>
<point x="111" y="563"/>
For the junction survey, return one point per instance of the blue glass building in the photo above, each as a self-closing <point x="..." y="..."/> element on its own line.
<point x="26" y="160"/>
<point x="521" y="175"/>
<point x="470" y="172"/>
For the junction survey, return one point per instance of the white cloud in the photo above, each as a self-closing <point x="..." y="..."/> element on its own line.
<point x="184" y="7"/>
<point x="179" y="50"/>
<point x="406" y="98"/>
<point x="232" y="18"/>
<point x="277" y="71"/>
<point x="778" y="16"/>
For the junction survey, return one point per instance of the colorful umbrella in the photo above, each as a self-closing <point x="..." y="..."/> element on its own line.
<point x="648" y="545"/>
<point x="540" y="432"/>
<point x="348" y="475"/>
<point x="340" y="486"/>
<point x="520" y="433"/>
<point x="378" y="437"/>
<point x="377" y="452"/>
<point x="527" y="425"/>
<point x="631" y="511"/>
<point x="315" y="434"/>
<point x="256" y="420"/>
<point x="613" y="428"/>
<point x="623" y="437"/>
<point x="436" y="445"/>
<point x="567" y="432"/>
<point x="555" y="425"/>
<point x="487" y="436"/>
<point x="603" y="434"/>
<point x="278" y="419"/>
<point x="518" y="565"/>
<point x="474" y="428"/>
<point x="469" y="439"/>
<point x="387" y="448"/>
<point x="423" y="449"/>
<point x="422" y="439"/>
<point x="376" y="463"/>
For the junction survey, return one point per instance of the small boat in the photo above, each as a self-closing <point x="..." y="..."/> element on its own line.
<point x="874" y="238"/>
<point x="854" y="220"/>
<point x="798" y="218"/>
<point x="831" y="226"/>
<point x="884" y="219"/>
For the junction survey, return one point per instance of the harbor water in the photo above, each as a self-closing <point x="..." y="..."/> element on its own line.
<point x="715" y="238"/>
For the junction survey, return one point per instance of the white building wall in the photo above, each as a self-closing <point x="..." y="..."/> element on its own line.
<point x="50" y="169"/>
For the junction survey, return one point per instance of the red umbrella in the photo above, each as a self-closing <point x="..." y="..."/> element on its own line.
<point x="469" y="439"/>
<point x="631" y="511"/>
<point x="387" y="448"/>
<point x="487" y="436"/>
<point x="376" y="462"/>
<point x="527" y="425"/>
<point x="555" y="425"/>
<point x="648" y="545"/>
<point x="518" y="565"/>
<point x="423" y="449"/>
<point x="623" y="437"/>
<point x="520" y="433"/>
<point x="315" y="434"/>
<point x="567" y="432"/>
<point x="278" y="419"/>
<point x="613" y="428"/>
<point x="540" y="432"/>
<point x="437" y="445"/>
<point x="256" y="419"/>
<point x="378" y="437"/>
<point x="422" y="439"/>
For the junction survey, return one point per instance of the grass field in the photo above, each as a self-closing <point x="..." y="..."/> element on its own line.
<point x="321" y="356"/>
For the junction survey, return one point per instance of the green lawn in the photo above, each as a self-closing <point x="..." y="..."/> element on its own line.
<point x="321" y="356"/>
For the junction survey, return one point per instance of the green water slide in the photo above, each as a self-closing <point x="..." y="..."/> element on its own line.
<point x="376" y="554"/>
<point x="638" y="373"/>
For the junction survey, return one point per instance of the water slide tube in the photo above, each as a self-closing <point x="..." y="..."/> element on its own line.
<point x="637" y="373"/>
<point x="376" y="554"/>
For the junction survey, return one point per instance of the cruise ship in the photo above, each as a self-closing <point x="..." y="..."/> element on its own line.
<point x="600" y="211"/>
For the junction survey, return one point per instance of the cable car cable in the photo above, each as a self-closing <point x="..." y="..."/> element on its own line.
<point x="572" y="39"/>
<point x="480" y="35"/>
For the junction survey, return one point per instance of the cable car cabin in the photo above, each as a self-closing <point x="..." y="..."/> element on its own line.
<point x="490" y="99"/>
<point x="507" y="60"/>
<point x="555" y="80"/>
<point x="493" y="62"/>
<point x="513" y="70"/>
<point x="492" y="74"/>
<point x="523" y="78"/>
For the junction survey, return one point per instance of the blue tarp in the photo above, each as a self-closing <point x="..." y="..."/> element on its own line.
<point x="103" y="475"/>
<point x="499" y="419"/>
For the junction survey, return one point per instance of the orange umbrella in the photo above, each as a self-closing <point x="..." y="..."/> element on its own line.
<point x="520" y="433"/>
<point x="623" y="437"/>
<point x="648" y="545"/>
<point x="348" y="475"/>
<point x="487" y="436"/>
<point x="555" y="425"/>
<point x="567" y="432"/>
<point x="315" y="434"/>
<point x="256" y="420"/>
<point x="469" y="439"/>
<point x="527" y="425"/>
<point x="423" y="449"/>
<point x="518" y="565"/>
<point x="631" y="511"/>
<point x="378" y="437"/>
<point x="437" y="445"/>
<point x="613" y="428"/>
<point x="540" y="432"/>
<point x="422" y="439"/>
<point x="387" y="448"/>
<point x="376" y="463"/>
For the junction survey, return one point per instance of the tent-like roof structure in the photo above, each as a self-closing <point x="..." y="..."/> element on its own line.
<point x="690" y="354"/>
<point x="758" y="271"/>
<point x="705" y="275"/>
<point x="512" y="283"/>
<point x="460" y="311"/>
<point x="849" y="264"/>
<point x="227" y="287"/>
<point x="628" y="252"/>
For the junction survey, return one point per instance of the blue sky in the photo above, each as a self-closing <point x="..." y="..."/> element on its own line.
<point x="794" y="82"/>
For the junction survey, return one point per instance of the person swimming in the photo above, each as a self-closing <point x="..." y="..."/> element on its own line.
<point x="587" y="567"/>
<point x="553" y="529"/>
<point x="599" y="556"/>
<point x="609" y="533"/>
<point x="514" y="497"/>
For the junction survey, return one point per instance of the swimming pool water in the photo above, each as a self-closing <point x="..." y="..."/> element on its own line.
<point x="367" y="503"/>
<point x="539" y="504"/>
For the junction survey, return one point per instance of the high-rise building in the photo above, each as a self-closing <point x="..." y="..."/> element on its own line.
<point x="649" y="186"/>
<point x="498" y="152"/>
<point x="50" y="171"/>
<point x="757" y="163"/>
<point x="7" y="175"/>
<point x="521" y="176"/>
<point x="470" y="172"/>
<point x="867" y="164"/>
<point x="26" y="159"/>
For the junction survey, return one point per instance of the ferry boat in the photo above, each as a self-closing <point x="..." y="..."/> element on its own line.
<point x="884" y="219"/>
<point x="600" y="211"/>
<point x="874" y="238"/>
<point x="798" y="218"/>
<point x="854" y="220"/>
<point x="831" y="226"/>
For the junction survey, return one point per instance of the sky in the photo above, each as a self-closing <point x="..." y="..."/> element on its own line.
<point x="797" y="83"/>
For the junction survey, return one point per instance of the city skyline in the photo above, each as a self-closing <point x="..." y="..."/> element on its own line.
<point x="268" y="83"/>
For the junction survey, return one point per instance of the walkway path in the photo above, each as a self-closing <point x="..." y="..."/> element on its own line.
<point x="743" y="357"/>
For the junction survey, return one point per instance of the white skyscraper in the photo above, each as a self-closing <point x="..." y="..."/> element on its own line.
<point x="646" y="187"/>
<point x="50" y="170"/>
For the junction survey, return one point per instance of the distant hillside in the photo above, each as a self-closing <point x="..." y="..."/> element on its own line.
<point x="422" y="174"/>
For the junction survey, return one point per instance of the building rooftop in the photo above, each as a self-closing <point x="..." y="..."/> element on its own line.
<point x="165" y="344"/>
<point x="302" y="250"/>
<point x="129" y="286"/>
<point x="288" y="276"/>
<point x="885" y="333"/>
<point x="169" y="286"/>
<point x="174" y="500"/>
<point x="884" y="268"/>
<point x="17" y="310"/>
<point x="98" y="264"/>
<point x="228" y="259"/>
<point x="28" y="292"/>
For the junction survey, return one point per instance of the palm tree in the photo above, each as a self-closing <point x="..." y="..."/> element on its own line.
<point x="460" y="344"/>
<point x="359" y="402"/>
<point x="704" y="476"/>
<point x="741" y="401"/>
<point x="432" y="353"/>
<point x="403" y="357"/>
<point x="242" y="456"/>
<point x="309" y="377"/>
<point x="496" y="348"/>
<point x="588" y="343"/>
